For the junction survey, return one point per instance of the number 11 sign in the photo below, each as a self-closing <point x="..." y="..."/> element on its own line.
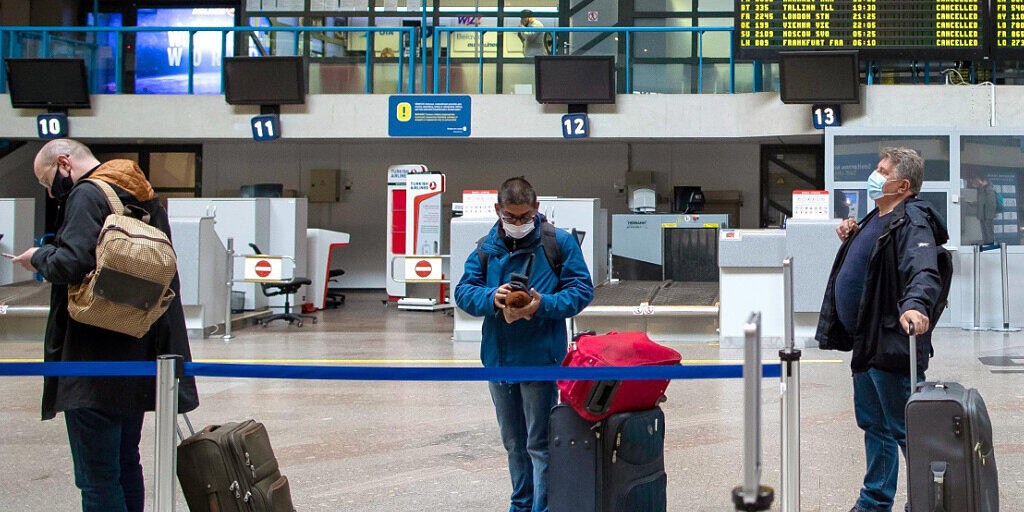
<point x="266" y="127"/>
<point x="575" y="126"/>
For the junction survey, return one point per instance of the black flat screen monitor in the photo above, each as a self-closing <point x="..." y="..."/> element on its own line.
<point x="687" y="200"/>
<point x="47" y="83"/>
<point x="264" y="81"/>
<point x="575" y="80"/>
<point x="819" y="77"/>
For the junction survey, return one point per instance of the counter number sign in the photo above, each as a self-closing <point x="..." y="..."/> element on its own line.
<point x="267" y="127"/>
<point x="825" y="116"/>
<point x="575" y="126"/>
<point x="52" y="126"/>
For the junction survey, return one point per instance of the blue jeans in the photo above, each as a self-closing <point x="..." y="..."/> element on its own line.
<point x="879" y="399"/>
<point x="105" y="450"/>
<point x="524" y="413"/>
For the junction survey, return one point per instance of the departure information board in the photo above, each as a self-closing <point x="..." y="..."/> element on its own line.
<point x="948" y="29"/>
<point x="1008" y="28"/>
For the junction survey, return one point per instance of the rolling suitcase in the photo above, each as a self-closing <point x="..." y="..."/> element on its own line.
<point x="596" y="400"/>
<point x="951" y="466"/>
<point x="613" y="465"/>
<point x="231" y="467"/>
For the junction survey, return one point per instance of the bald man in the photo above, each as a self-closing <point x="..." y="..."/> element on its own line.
<point x="103" y="415"/>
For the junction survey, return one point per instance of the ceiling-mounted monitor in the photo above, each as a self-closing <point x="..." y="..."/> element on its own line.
<point x="819" y="77"/>
<point x="47" y="83"/>
<point x="264" y="81"/>
<point x="575" y="80"/>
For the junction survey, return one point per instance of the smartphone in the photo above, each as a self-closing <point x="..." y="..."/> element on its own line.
<point x="8" y="256"/>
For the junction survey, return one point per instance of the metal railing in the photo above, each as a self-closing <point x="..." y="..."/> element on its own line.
<point x="10" y="35"/>
<point x="626" y="31"/>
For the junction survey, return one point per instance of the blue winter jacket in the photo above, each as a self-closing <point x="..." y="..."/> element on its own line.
<point x="540" y="341"/>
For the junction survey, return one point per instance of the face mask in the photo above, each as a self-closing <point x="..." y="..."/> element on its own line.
<point x="875" y="183"/>
<point x="517" y="232"/>
<point x="61" y="186"/>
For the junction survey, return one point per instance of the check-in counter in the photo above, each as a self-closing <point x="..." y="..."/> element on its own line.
<point x="750" y="262"/>
<point x="202" y="270"/>
<point x="17" y="220"/>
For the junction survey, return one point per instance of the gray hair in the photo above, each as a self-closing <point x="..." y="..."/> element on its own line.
<point x="51" y="150"/>
<point x="908" y="165"/>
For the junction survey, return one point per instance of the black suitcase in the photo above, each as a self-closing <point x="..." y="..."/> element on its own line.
<point x="613" y="465"/>
<point x="231" y="467"/>
<point x="951" y="466"/>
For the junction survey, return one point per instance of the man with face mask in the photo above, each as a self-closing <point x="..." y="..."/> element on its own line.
<point x="885" y="279"/>
<point x="103" y="415"/>
<point x="533" y="335"/>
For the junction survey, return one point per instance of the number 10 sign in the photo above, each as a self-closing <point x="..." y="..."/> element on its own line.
<point x="575" y="126"/>
<point x="266" y="127"/>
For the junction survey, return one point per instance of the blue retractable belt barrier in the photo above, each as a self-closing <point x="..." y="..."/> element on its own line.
<point x="416" y="373"/>
<point x="82" y="369"/>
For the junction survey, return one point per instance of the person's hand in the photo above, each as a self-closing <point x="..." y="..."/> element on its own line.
<point x="913" y="316"/>
<point x="526" y="312"/>
<point x="25" y="259"/>
<point x="847" y="228"/>
<point x="500" y="295"/>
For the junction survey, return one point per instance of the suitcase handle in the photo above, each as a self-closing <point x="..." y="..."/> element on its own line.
<point x="939" y="483"/>
<point x="913" y="359"/>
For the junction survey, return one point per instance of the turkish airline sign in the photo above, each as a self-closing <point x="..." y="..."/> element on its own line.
<point x="262" y="268"/>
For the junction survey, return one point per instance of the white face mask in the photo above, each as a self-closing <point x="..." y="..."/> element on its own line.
<point x="517" y="232"/>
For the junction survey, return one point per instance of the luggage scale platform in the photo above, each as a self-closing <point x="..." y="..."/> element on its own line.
<point x="24" y="308"/>
<point x="666" y="310"/>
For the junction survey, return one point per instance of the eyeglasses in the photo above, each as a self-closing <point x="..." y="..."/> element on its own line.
<point x="517" y="219"/>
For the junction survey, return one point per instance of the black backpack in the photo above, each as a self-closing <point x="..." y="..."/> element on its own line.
<point x="548" y="241"/>
<point x="945" y="264"/>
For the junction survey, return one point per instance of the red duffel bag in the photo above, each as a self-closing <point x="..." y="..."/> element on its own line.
<point x="596" y="400"/>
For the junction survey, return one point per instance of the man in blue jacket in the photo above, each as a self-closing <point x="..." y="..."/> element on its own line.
<point x="534" y="335"/>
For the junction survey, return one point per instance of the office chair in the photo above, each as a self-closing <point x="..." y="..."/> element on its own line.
<point x="334" y="297"/>
<point x="286" y="288"/>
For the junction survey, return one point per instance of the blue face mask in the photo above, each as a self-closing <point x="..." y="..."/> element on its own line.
<point x="875" y="183"/>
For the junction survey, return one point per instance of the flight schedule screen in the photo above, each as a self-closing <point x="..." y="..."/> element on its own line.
<point x="1008" y="23"/>
<point x="896" y="28"/>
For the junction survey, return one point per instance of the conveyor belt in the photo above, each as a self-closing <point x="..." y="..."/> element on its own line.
<point x="687" y="294"/>
<point x="26" y="298"/>
<point x="625" y="293"/>
<point x="648" y="298"/>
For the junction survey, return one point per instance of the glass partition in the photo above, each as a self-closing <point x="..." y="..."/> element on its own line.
<point x="857" y="155"/>
<point x="991" y="170"/>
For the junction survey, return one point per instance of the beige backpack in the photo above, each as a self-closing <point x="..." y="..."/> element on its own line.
<point x="130" y="287"/>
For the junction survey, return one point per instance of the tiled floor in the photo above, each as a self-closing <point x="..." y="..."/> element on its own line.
<point x="393" y="446"/>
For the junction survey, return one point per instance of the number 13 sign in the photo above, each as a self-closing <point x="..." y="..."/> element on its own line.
<point x="575" y="126"/>
<point x="825" y="116"/>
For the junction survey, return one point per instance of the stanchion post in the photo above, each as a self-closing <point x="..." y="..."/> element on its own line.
<point x="165" y="460"/>
<point x="229" y="284"/>
<point x="1004" y="271"/>
<point x="977" y="289"/>
<point x="752" y="496"/>
<point x="789" y="356"/>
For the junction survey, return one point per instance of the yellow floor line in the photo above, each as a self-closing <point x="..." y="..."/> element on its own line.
<point x="426" y="361"/>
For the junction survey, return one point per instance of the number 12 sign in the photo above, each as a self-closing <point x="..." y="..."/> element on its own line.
<point x="575" y="126"/>
<point x="266" y="127"/>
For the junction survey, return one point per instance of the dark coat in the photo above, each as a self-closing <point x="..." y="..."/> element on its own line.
<point x="66" y="262"/>
<point x="902" y="275"/>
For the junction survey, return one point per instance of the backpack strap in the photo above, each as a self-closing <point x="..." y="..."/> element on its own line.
<point x="116" y="206"/>
<point x="552" y="250"/>
<point x="482" y="256"/>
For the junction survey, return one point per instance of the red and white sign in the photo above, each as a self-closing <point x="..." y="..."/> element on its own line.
<point x="262" y="268"/>
<point x="423" y="269"/>
<point x="810" y="204"/>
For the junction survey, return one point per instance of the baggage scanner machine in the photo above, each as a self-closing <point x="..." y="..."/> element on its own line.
<point x="665" y="277"/>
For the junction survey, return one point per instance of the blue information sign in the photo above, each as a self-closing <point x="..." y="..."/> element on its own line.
<point x="266" y="127"/>
<point x="825" y="116"/>
<point x="575" y="126"/>
<point x="429" y="116"/>
<point x="52" y="126"/>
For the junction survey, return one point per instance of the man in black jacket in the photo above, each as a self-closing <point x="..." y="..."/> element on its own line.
<point x="103" y="414"/>
<point x="885" y="279"/>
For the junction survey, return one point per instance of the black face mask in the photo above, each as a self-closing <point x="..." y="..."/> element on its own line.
<point x="61" y="187"/>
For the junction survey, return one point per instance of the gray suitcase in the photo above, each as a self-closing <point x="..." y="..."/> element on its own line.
<point x="951" y="466"/>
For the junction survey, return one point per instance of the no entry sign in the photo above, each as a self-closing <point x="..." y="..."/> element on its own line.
<point x="262" y="268"/>
<point x="423" y="269"/>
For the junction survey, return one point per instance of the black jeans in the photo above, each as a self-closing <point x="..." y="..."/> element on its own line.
<point x="105" y="450"/>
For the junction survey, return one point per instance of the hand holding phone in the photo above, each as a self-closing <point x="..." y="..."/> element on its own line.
<point x="8" y="256"/>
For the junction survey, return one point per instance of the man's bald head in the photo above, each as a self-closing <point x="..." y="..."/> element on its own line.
<point x="68" y="156"/>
